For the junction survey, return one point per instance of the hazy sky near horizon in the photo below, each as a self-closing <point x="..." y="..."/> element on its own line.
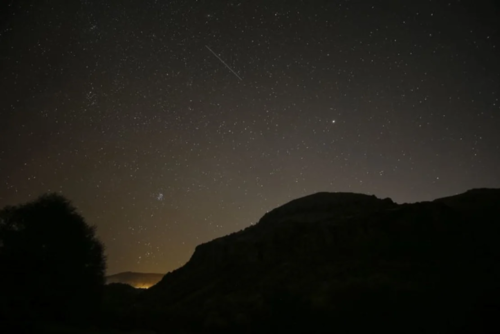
<point x="171" y="123"/>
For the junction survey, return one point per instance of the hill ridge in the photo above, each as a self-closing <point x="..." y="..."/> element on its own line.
<point x="317" y="247"/>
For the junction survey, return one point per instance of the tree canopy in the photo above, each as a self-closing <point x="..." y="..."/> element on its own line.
<point x="52" y="265"/>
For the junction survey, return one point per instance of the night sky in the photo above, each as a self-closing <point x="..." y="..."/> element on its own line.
<point x="171" y="123"/>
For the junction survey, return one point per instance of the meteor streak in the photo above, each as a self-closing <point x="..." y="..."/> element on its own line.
<point x="224" y="63"/>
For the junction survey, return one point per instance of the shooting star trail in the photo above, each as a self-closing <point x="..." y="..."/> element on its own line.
<point x="224" y="63"/>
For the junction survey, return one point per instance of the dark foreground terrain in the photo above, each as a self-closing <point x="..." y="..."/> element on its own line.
<point x="339" y="262"/>
<point x="324" y="263"/>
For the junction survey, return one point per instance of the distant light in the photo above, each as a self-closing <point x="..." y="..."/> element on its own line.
<point x="143" y="286"/>
<point x="333" y="121"/>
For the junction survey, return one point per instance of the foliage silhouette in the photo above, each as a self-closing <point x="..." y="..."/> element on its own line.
<point x="52" y="265"/>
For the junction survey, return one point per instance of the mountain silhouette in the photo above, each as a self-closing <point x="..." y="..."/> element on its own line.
<point x="137" y="280"/>
<point x="342" y="262"/>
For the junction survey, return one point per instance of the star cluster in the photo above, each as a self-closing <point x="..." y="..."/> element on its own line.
<point x="170" y="123"/>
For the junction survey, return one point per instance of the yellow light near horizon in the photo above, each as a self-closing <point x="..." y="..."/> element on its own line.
<point x="143" y="286"/>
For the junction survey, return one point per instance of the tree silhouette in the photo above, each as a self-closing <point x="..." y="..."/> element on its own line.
<point x="51" y="263"/>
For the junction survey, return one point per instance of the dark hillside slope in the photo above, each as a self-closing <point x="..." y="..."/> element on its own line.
<point x="342" y="262"/>
<point x="475" y="200"/>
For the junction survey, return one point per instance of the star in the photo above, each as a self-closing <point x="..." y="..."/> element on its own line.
<point x="178" y="126"/>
